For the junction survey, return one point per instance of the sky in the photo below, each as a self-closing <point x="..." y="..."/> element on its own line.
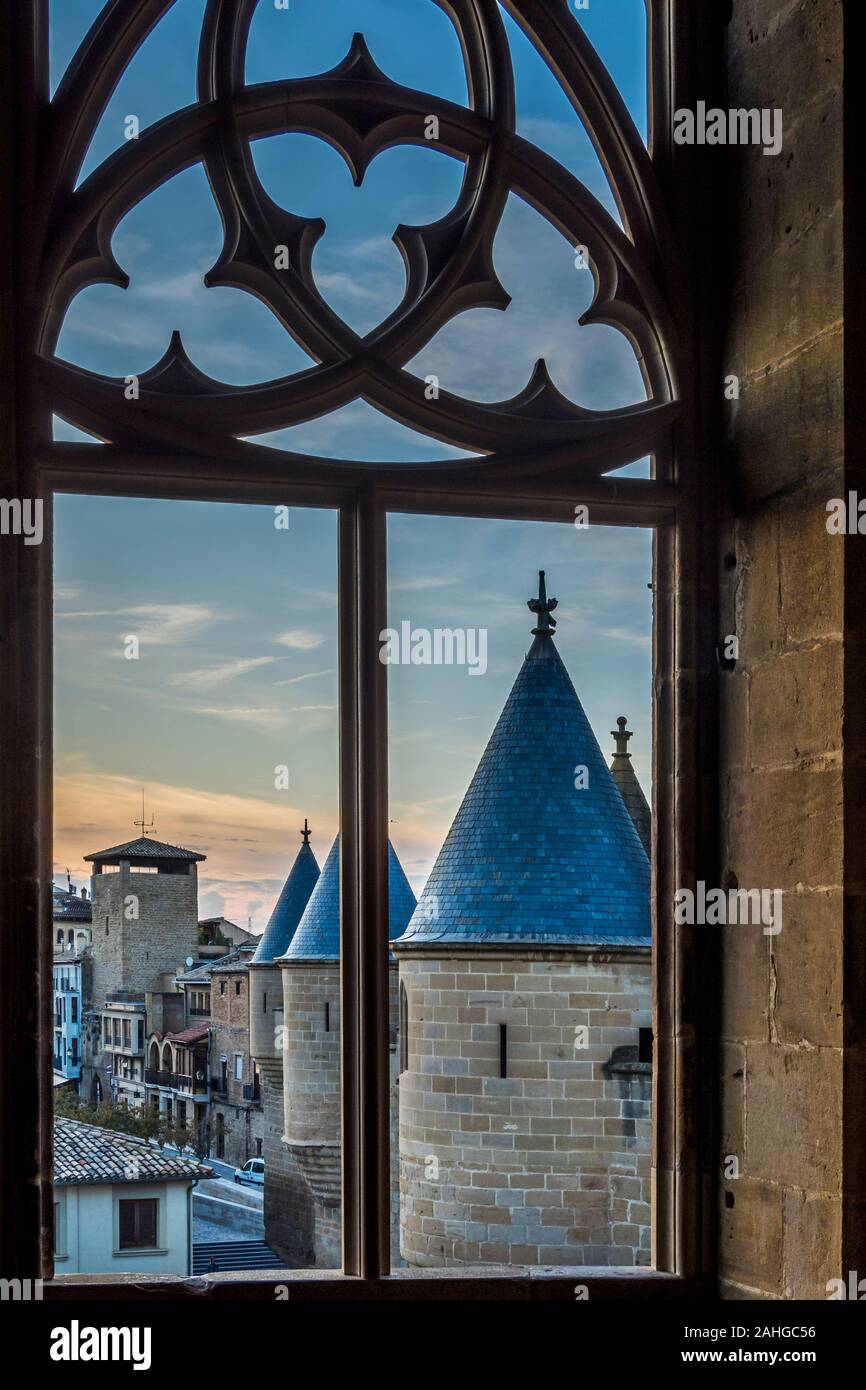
<point x="236" y="619"/>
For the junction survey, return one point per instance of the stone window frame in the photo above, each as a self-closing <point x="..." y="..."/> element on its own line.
<point x="679" y="503"/>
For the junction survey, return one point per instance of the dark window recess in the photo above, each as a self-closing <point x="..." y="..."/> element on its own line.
<point x="237" y="986"/>
<point x="327" y="1018"/>
<point x="264" y="1003"/>
<point x="645" y="1045"/>
<point x="404" y="1029"/>
<point x="138" y="1224"/>
<point x="503" y="1049"/>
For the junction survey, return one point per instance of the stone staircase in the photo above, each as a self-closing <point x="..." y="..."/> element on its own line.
<point x="212" y="1257"/>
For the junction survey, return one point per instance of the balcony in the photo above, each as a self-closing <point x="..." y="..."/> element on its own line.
<point x="172" y="1081"/>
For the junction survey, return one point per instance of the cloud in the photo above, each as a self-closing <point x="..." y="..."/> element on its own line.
<point x="308" y="676"/>
<point x="422" y="582"/>
<point x="625" y="634"/>
<point x="250" y="842"/>
<point x="300" y="639"/>
<point x="267" y="720"/>
<point x="207" y="677"/>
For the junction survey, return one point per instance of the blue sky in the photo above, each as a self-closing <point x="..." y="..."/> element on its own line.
<point x="237" y="671"/>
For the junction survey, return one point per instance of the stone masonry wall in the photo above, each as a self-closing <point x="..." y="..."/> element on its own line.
<point x="550" y="1165"/>
<point x="133" y="953"/>
<point x="781" y="706"/>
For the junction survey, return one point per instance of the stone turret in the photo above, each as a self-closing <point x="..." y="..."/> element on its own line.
<point x="266" y="1010"/>
<point x="303" y="1221"/>
<point x="630" y="788"/>
<point x="525" y="984"/>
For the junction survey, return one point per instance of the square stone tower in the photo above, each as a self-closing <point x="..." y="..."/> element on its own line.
<point x="145" y="915"/>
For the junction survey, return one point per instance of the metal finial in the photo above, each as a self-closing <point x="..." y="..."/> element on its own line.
<point x="543" y="607"/>
<point x="306" y="832"/>
<point x="622" y="736"/>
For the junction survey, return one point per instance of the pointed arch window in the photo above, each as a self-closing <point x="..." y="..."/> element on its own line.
<point x="173" y="429"/>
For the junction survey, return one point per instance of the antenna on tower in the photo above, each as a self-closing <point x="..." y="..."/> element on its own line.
<point x="144" y="824"/>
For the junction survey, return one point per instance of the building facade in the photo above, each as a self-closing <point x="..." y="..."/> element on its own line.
<point x="72" y="982"/>
<point x="236" y="1116"/>
<point x="120" y="1205"/>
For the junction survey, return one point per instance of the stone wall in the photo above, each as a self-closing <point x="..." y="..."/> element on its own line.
<point x="549" y="1165"/>
<point x="782" y="705"/>
<point x="132" y="953"/>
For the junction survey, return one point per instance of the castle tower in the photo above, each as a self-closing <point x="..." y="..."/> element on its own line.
<point x="266" y="1009"/>
<point x="302" y="1221"/>
<point x="630" y="788"/>
<point x="144" y="927"/>
<point x="144" y="914"/>
<point x="524" y="1103"/>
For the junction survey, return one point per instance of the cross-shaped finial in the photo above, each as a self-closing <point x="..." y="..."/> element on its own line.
<point x="622" y="736"/>
<point x="306" y="832"/>
<point x="543" y="607"/>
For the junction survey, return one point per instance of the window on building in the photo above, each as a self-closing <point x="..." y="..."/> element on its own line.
<point x="73" y="1005"/>
<point x="138" y="1223"/>
<point x="239" y="1066"/>
<point x="541" y="456"/>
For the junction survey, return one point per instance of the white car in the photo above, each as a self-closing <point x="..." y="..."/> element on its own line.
<point x="253" y="1171"/>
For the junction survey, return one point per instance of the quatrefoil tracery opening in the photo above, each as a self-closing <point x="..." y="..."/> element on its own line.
<point x="449" y="265"/>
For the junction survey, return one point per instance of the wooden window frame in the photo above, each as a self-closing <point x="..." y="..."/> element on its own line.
<point x="680" y="504"/>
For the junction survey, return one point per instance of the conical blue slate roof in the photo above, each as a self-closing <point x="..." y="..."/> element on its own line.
<point x="318" y="934"/>
<point x="529" y="857"/>
<point x="289" y="907"/>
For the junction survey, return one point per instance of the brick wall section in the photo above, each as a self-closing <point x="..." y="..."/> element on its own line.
<point x="549" y="1166"/>
<point x="230" y="1034"/>
<point x="781" y="708"/>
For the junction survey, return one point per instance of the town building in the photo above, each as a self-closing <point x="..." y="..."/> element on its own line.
<point x="120" y="1204"/>
<point x="221" y="933"/>
<point x="236" y="1119"/>
<point x="72" y="981"/>
<point x="176" y="1080"/>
